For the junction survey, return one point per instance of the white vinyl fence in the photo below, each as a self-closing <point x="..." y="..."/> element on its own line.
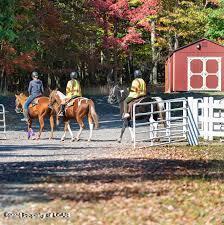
<point x="2" y="120"/>
<point x="208" y="115"/>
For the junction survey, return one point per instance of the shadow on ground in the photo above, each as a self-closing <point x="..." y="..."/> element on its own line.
<point x="15" y="176"/>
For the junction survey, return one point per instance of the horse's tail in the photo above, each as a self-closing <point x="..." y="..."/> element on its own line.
<point x="93" y="113"/>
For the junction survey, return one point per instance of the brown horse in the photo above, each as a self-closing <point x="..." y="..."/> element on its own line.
<point x="40" y="111"/>
<point x="80" y="108"/>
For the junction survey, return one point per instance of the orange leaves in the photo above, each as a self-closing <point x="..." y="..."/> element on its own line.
<point x="27" y="4"/>
<point x="9" y="59"/>
<point x="8" y="49"/>
<point x="25" y="61"/>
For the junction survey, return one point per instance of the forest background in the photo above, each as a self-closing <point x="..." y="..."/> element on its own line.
<point x="105" y="41"/>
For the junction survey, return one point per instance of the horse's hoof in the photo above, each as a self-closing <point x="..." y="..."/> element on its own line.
<point x="73" y="139"/>
<point x="77" y="139"/>
<point x="62" y="140"/>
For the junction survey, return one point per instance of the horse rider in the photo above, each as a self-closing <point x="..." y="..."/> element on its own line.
<point x="138" y="89"/>
<point x="35" y="90"/>
<point x="73" y="90"/>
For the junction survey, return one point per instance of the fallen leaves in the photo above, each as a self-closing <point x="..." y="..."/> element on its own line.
<point x="168" y="185"/>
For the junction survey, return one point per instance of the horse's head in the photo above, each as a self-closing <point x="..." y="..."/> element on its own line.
<point x="117" y="94"/>
<point x="53" y="97"/>
<point x="20" y="100"/>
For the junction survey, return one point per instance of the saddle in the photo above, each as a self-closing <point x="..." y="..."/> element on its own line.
<point x="72" y="101"/>
<point x="35" y="102"/>
<point x="130" y="104"/>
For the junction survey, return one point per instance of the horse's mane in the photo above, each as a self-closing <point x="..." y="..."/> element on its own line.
<point x="61" y="95"/>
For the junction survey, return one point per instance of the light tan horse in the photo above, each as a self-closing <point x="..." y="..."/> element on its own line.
<point x="38" y="111"/>
<point x="81" y="108"/>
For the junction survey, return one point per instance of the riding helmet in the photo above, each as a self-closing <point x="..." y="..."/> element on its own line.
<point x="34" y="74"/>
<point x="137" y="74"/>
<point x="73" y="75"/>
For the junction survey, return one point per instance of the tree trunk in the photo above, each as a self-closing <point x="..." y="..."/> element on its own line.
<point x="155" y="72"/>
<point x="115" y="52"/>
<point x="154" y="56"/>
<point x="176" y="41"/>
<point x="2" y="80"/>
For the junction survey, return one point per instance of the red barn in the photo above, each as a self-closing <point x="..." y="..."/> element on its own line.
<point x="198" y="66"/>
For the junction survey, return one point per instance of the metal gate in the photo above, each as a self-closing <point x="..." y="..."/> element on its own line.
<point x="2" y="120"/>
<point x="180" y="126"/>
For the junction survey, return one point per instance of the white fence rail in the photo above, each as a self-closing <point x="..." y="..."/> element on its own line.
<point x="208" y="115"/>
<point x="2" y="120"/>
<point x="179" y="126"/>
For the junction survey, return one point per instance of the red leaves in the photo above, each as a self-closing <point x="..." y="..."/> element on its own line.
<point x="49" y="18"/>
<point x="8" y="49"/>
<point x="9" y="59"/>
<point x="118" y="16"/>
<point x="133" y="37"/>
<point x="119" y="9"/>
<point x="146" y="9"/>
<point x="25" y="61"/>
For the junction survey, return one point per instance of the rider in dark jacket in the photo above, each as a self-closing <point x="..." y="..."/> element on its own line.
<point x="35" y="90"/>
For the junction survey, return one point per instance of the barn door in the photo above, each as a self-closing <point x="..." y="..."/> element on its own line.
<point x="204" y="73"/>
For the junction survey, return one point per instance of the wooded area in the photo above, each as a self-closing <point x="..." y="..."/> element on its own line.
<point x="105" y="40"/>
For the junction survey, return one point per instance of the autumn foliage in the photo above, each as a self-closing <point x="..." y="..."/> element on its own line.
<point x="121" y="21"/>
<point x="98" y="37"/>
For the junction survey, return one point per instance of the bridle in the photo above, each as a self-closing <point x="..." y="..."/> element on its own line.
<point x="113" y="98"/>
<point x="18" y="109"/>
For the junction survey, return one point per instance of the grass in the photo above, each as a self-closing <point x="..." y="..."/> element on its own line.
<point x="166" y="185"/>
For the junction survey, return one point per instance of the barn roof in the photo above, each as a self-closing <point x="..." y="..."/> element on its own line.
<point x="185" y="46"/>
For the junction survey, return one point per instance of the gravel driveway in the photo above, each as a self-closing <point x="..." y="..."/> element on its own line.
<point x="18" y="148"/>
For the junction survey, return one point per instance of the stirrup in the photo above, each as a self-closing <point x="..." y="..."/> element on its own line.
<point x="50" y="106"/>
<point x="126" y="115"/>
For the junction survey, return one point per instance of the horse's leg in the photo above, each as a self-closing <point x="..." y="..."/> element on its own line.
<point x="70" y="131"/>
<point x="131" y="130"/>
<point x="52" y="125"/>
<point x="29" y="129"/>
<point x="41" y="121"/>
<point x="66" y="122"/>
<point x="125" y="123"/>
<point x="155" y="126"/>
<point x="79" y="133"/>
<point x="90" y="126"/>
<point x="79" y="118"/>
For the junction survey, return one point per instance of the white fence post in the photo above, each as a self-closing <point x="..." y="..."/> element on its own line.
<point x="210" y="118"/>
<point x="168" y="116"/>
<point x="2" y="119"/>
<point x="206" y="118"/>
<point x="185" y="118"/>
<point x="134" y="126"/>
<point x="193" y="105"/>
